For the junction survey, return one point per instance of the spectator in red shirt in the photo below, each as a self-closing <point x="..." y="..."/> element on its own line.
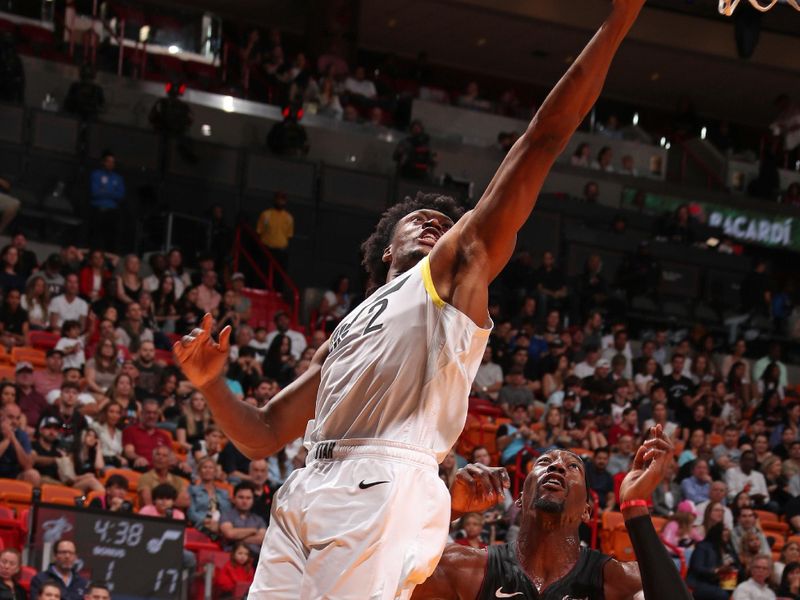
<point x="238" y="571"/>
<point x="472" y="524"/>
<point x="628" y="426"/>
<point x="50" y="379"/>
<point x="140" y="439"/>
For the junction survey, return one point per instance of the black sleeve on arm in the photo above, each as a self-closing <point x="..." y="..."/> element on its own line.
<point x="660" y="578"/>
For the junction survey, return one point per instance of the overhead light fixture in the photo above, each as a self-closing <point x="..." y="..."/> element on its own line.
<point x="205" y="129"/>
<point x="655" y="76"/>
<point x="144" y="33"/>
<point x="636" y="118"/>
<point x="703" y="133"/>
<point x="668" y="146"/>
<point x="173" y="49"/>
<point x="391" y="23"/>
<point x="227" y="103"/>
<point x="663" y="142"/>
<point x="481" y="42"/>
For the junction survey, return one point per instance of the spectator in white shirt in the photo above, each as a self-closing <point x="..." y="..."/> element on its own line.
<point x="756" y="588"/>
<point x="586" y="367"/>
<point x="71" y="345"/>
<point x="489" y="378"/>
<point x="298" y="339"/>
<point x="68" y="306"/>
<point x="359" y="85"/>
<point x="716" y="495"/>
<point x="745" y="478"/>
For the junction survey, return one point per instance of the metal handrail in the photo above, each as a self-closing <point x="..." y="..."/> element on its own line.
<point x="273" y="266"/>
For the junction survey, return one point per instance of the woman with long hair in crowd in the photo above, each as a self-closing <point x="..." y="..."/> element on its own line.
<point x="102" y="368"/>
<point x="87" y="456"/>
<point x="164" y="303"/>
<point x="94" y="276"/>
<point x="279" y="362"/>
<point x="695" y="442"/>
<point x="769" y="384"/>
<point x="176" y="270"/>
<point x="737" y="354"/>
<point x="777" y="483"/>
<point x="335" y="304"/>
<point x="737" y="384"/>
<point x="553" y="381"/>
<point x="207" y="500"/>
<point x="36" y="301"/>
<point x="553" y="432"/>
<point x="189" y="314"/>
<point x="714" y="513"/>
<point x="192" y="424"/>
<point x="790" y="553"/>
<point x="749" y="548"/>
<point x="448" y="469"/>
<point x="228" y="315"/>
<point x="108" y="426"/>
<point x="167" y="395"/>
<point x="789" y="587"/>
<point x="129" y="282"/>
<point x="10" y="568"/>
<point x="761" y="449"/>
<point x="9" y="278"/>
<point x="13" y="321"/>
<point x="710" y="560"/>
<point x="123" y="393"/>
<point x="702" y="369"/>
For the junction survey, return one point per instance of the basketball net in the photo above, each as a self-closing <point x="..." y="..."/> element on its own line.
<point x="726" y="7"/>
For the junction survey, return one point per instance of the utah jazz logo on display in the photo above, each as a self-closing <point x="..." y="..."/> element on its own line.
<point x="375" y="308"/>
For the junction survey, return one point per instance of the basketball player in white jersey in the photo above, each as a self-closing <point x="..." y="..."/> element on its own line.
<point x="386" y="398"/>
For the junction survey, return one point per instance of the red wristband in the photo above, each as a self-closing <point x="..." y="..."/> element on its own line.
<point x="631" y="503"/>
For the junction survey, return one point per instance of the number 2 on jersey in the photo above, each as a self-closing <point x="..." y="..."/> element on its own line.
<point x="377" y="309"/>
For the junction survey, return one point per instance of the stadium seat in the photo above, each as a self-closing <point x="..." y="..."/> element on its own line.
<point x="16" y="494"/>
<point x="7" y="372"/>
<point x="766" y="517"/>
<point x="25" y="575"/>
<point x="195" y="541"/>
<point x="129" y="474"/>
<point x="225" y="486"/>
<point x="219" y="558"/>
<point x="43" y="340"/>
<point x="165" y="356"/>
<point x="608" y="522"/>
<point x="32" y="355"/>
<point x="5" y="357"/>
<point x="621" y="545"/>
<point x="59" y="494"/>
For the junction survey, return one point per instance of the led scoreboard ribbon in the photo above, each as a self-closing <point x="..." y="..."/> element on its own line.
<point x="140" y="557"/>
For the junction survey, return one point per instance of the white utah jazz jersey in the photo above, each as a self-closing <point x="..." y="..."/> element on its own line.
<point x="400" y="368"/>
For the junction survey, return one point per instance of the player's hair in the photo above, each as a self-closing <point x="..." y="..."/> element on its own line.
<point x="374" y="246"/>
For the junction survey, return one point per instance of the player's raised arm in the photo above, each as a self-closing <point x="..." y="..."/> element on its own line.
<point x="257" y="432"/>
<point x="488" y="233"/>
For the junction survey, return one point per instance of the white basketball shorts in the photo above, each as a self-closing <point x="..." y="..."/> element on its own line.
<point x="364" y="520"/>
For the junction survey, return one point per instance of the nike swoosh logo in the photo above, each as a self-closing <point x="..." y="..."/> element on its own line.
<point x="365" y="486"/>
<point x="501" y="594"/>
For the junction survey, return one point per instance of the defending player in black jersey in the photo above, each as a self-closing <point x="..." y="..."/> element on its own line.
<point x="547" y="562"/>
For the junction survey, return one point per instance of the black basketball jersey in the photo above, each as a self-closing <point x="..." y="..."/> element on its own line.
<point x="505" y="578"/>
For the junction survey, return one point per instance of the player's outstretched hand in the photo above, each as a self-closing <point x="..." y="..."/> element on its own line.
<point x="201" y="359"/>
<point x="649" y="467"/>
<point x="478" y="488"/>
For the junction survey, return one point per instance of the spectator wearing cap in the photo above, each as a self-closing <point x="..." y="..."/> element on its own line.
<point x="71" y="421"/>
<point x="47" y="449"/>
<point x="63" y="572"/>
<point x="53" y="374"/>
<point x="599" y="385"/>
<point x="681" y="531"/>
<point x="161" y="458"/>
<point x="69" y="306"/>
<point x="87" y="403"/>
<point x="31" y="402"/>
<point x="140" y="439"/>
<point x="16" y="458"/>
<point x="51" y="273"/>
<point x="282" y="325"/>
